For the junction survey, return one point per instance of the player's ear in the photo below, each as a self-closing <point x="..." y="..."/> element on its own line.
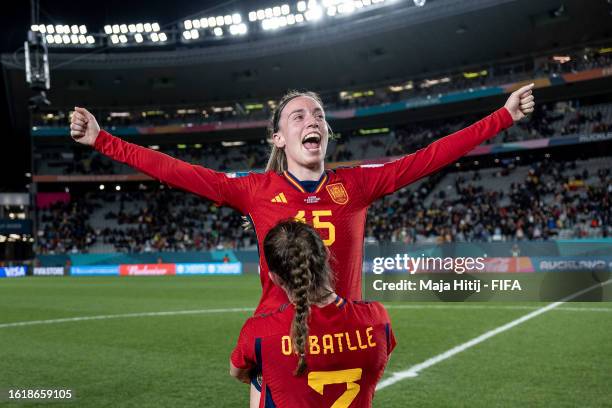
<point x="279" y="140"/>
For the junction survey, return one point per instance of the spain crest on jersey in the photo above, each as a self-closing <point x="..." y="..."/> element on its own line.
<point x="338" y="193"/>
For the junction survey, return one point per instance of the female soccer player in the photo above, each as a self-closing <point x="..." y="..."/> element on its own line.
<point x="320" y="350"/>
<point x="296" y="184"/>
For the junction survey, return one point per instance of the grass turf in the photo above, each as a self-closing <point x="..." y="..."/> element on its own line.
<point x="560" y="358"/>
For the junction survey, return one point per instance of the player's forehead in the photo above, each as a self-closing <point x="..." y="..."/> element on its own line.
<point x="301" y="103"/>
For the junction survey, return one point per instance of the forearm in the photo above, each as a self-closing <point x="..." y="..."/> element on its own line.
<point x="450" y="148"/>
<point x="160" y="166"/>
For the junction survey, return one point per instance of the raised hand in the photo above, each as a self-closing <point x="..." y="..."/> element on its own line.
<point x="83" y="126"/>
<point x="521" y="102"/>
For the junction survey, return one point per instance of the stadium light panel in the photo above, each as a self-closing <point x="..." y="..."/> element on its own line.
<point x="204" y="22"/>
<point x="163" y="37"/>
<point x="122" y="39"/>
<point x="331" y="11"/>
<point x="50" y="29"/>
<point x="74" y="39"/>
<point x="123" y="28"/>
<point x="155" y="27"/>
<point x="34" y="28"/>
<point x="212" y="22"/>
<point x="187" y="35"/>
<point x="314" y="13"/>
<point x="66" y="39"/>
<point x="236" y="18"/>
<point x="187" y="24"/>
<point x="218" y="31"/>
<point x="261" y="14"/>
<point x="138" y="38"/>
<point x="420" y="3"/>
<point x="227" y="20"/>
<point x="196" y="24"/>
<point x="290" y="19"/>
<point x="148" y="28"/>
<point x="195" y="34"/>
<point x="50" y="39"/>
<point x="301" y="6"/>
<point x="82" y="39"/>
<point x="90" y="39"/>
<point x="57" y="38"/>
<point x="155" y="37"/>
<point x="74" y="29"/>
<point x="59" y="29"/>
<point x="116" y="29"/>
<point x="285" y="9"/>
<point x="269" y="13"/>
<point x="252" y="16"/>
<point x="82" y="29"/>
<point x="276" y="11"/>
<point x="108" y="29"/>
<point x="42" y="28"/>
<point x="219" y="20"/>
<point x="299" y="18"/>
<point x="132" y="28"/>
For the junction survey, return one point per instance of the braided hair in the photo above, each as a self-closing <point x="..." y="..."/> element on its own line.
<point x="296" y="254"/>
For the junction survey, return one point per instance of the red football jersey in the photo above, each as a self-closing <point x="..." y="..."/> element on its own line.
<point x="347" y="349"/>
<point x="337" y="208"/>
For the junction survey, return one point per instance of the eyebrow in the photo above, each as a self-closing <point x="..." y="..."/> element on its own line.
<point x="301" y="110"/>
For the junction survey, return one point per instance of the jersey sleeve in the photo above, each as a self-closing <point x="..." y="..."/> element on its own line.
<point x="386" y="320"/>
<point x="243" y="356"/>
<point x="213" y="185"/>
<point x="380" y="180"/>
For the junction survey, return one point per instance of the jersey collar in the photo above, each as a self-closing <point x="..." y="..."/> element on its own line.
<point x="295" y="182"/>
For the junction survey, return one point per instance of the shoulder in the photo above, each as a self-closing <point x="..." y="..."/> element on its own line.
<point x="373" y="311"/>
<point x="268" y="324"/>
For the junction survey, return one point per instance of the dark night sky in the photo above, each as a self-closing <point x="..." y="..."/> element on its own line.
<point x="14" y="23"/>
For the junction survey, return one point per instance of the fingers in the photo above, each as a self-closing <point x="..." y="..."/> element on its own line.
<point x="78" y="127"/>
<point x="525" y="90"/>
<point x="76" y="134"/>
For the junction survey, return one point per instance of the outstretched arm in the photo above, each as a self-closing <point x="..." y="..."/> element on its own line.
<point x="385" y="179"/>
<point x="213" y="185"/>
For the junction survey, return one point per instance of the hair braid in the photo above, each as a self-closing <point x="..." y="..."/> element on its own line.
<point x="295" y="253"/>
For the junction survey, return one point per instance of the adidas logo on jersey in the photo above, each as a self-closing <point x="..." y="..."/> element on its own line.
<point x="280" y="198"/>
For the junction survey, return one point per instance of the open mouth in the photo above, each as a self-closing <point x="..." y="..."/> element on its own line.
<point x="312" y="141"/>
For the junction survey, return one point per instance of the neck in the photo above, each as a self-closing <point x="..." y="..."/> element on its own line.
<point x="306" y="173"/>
<point x="329" y="299"/>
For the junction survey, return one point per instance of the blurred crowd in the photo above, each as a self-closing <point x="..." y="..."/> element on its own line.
<point x="492" y="75"/>
<point x="555" y="200"/>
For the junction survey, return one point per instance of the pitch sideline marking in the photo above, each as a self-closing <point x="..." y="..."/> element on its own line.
<point x="416" y="369"/>
<point x="126" y="315"/>
<point x="246" y="309"/>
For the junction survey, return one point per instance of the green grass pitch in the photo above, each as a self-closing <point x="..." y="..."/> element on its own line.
<point x="560" y="358"/>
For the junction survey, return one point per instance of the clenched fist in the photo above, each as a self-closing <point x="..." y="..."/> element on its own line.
<point x="521" y="102"/>
<point x="83" y="127"/>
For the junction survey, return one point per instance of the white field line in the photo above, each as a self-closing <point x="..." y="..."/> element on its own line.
<point x="245" y="309"/>
<point x="497" y="307"/>
<point x="416" y="369"/>
<point x="125" y="315"/>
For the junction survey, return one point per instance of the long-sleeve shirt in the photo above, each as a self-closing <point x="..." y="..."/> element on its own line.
<point x="336" y="208"/>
